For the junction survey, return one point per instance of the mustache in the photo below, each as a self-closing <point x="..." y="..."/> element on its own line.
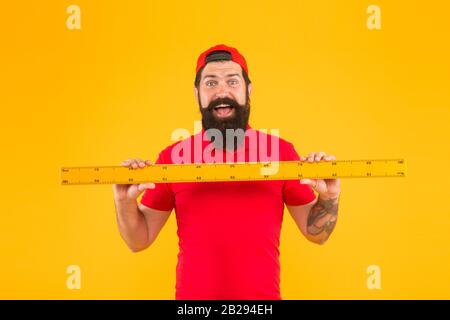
<point x="238" y="121"/>
<point x="231" y="102"/>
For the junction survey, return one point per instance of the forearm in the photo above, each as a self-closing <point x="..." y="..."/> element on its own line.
<point x="132" y="224"/>
<point x="322" y="219"/>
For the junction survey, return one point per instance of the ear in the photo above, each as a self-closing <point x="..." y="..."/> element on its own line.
<point x="196" y="94"/>
<point x="249" y="88"/>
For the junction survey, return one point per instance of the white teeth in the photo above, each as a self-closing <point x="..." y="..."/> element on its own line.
<point x="222" y="106"/>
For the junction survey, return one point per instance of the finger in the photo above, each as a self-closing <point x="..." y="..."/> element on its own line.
<point x="139" y="163"/>
<point x="134" y="164"/>
<point x="311" y="156"/>
<point x="125" y="163"/>
<point x="330" y="158"/>
<point x="319" y="156"/>
<point x="148" y="162"/>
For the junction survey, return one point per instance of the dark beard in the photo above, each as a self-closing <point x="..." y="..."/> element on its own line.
<point x="238" y="120"/>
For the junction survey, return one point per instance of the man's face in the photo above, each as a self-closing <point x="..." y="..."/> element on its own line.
<point x="223" y="96"/>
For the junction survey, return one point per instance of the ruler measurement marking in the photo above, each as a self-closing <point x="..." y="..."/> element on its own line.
<point x="210" y="172"/>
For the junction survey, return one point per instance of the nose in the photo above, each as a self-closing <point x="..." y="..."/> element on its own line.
<point x="222" y="92"/>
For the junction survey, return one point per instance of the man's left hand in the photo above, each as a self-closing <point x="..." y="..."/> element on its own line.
<point x="326" y="188"/>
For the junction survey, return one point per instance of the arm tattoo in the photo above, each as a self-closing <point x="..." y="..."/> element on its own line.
<point x="317" y="223"/>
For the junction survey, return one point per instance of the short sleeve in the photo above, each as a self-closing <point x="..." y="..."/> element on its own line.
<point x="161" y="197"/>
<point x="295" y="193"/>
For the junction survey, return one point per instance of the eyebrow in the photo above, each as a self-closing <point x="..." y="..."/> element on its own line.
<point x="214" y="76"/>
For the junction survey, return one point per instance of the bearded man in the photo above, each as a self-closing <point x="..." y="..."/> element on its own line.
<point x="229" y="232"/>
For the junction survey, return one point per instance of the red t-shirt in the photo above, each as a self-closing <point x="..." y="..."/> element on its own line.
<point x="229" y="232"/>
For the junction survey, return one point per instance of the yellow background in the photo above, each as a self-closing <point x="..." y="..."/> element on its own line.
<point x="118" y="87"/>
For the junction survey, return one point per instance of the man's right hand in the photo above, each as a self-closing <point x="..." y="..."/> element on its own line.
<point x="130" y="192"/>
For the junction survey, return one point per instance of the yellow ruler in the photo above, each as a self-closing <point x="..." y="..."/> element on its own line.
<point x="210" y="172"/>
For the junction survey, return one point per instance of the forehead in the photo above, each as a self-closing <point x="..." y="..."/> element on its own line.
<point x="221" y="68"/>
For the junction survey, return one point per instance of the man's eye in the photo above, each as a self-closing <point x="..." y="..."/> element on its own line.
<point x="210" y="83"/>
<point x="233" y="82"/>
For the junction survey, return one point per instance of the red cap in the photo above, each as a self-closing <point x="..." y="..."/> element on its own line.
<point x="235" y="56"/>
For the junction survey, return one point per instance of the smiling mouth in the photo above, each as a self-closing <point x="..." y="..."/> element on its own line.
<point x="223" y="110"/>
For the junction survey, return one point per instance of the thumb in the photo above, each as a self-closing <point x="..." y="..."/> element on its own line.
<point x="306" y="181"/>
<point x="144" y="186"/>
<point x="312" y="183"/>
